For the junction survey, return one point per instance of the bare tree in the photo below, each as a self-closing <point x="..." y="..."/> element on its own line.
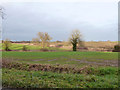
<point x="43" y="39"/>
<point x="75" y="39"/>
<point x="36" y="41"/>
<point x="6" y="44"/>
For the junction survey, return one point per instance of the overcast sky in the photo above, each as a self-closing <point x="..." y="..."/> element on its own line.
<point x="97" y="21"/>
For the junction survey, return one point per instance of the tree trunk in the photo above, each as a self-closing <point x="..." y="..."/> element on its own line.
<point x="74" y="47"/>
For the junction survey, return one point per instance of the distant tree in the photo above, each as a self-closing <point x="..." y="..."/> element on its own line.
<point x="58" y="41"/>
<point x="6" y="44"/>
<point x="43" y="39"/>
<point x="75" y="39"/>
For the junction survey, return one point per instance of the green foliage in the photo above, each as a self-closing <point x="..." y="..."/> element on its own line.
<point x="74" y="47"/>
<point x="116" y="48"/>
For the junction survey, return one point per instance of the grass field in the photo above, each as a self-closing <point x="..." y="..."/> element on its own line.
<point x="38" y="79"/>
<point x="75" y="58"/>
<point x="29" y="47"/>
<point x="43" y="69"/>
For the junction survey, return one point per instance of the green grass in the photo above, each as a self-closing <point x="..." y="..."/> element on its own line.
<point x="29" y="47"/>
<point x="13" y="78"/>
<point x="20" y="46"/>
<point x="72" y="58"/>
<point x="98" y="76"/>
<point x="80" y="55"/>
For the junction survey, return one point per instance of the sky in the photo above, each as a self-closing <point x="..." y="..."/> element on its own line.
<point x="97" y="21"/>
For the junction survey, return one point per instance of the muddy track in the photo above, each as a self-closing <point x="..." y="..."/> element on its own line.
<point x="104" y="63"/>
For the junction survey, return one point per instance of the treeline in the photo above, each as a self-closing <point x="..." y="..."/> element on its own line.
<point x="43" y="39"/>
<point x="18" y="41"/>
<point x="29" y="41"/>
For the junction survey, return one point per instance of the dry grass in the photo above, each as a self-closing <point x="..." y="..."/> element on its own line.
<point x="91" y="45"/>
<point x="100" y="44"/>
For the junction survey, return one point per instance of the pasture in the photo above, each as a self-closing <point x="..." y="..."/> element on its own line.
<point x="61" y="69"/>
<point x="72" y="58"/>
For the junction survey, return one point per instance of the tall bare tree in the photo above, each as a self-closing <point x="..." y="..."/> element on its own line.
<point x="75" y="39"/>
<point x="43" y="39"/>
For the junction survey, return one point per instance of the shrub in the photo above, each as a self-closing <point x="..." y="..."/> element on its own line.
<point x="24" y="48"/>
<point x="116" y="48"/>
<point x="82" y="48"/>
<point x="6" y="45"/>
<point x="44" y="49"/>
<point x="60" y="45"/>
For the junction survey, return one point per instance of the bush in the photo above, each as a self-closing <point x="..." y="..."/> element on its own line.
<point x="24" y="48"/>
<point x="60" y="45"/>
<point x="6" y="45"/>
<point x="116" y="48"/>
<point x="44" y="49"/>
<point x="82" y="48"/>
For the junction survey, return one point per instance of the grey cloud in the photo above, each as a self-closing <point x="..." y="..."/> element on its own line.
<point x="24" y="20"/>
